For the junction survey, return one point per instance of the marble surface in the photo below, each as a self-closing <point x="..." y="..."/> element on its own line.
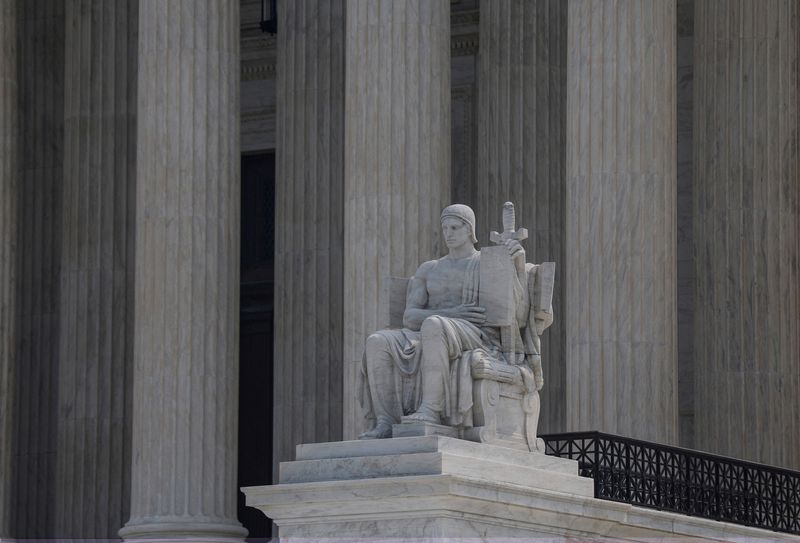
<point x="412" y="429"/>
<point x="429" y="444"/>
<point x="309" y="226"/>
<point x="9" y="201"/>
<point x="397" y="162"/>
<point x="519" y="152"/>
<point x="453" y="501"/>
<point x="477" y="315"/>
<point x="96" y="270"/>
<point x="621" y="226"/>
<point x="41" y="109"/>
<point x="747" y="229"/>
<point x="411" y="456"/>
<point x="186" y="333"/>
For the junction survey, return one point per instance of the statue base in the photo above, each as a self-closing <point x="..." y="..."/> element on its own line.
<point x="415" y="429"/>
<point x="437" y="488"/>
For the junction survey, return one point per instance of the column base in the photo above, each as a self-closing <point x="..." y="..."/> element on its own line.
<point x="183" y="529"/>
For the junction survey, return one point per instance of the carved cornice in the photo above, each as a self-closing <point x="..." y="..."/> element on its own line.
<point x="464" y="45"/>
<point x="255" y="70"/>
<point x="259" y="53"/>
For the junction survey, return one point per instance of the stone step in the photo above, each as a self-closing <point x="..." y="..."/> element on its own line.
<point x="433" y="455"/>
<point x="438" y="444"/>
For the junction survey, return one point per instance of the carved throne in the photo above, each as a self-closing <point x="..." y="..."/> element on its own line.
<point x="505" y="401"/>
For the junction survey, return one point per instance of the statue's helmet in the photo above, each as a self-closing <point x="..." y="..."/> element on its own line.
<point x="463" y="212"/>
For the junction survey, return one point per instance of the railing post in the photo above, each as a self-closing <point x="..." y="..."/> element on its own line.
<point x="746" y="510"/>
<point x="659" y="497"/>
<point x="628" y="489"/>
<point x="773" y="488"/>
<point x="596" y="466"/>
<point x="717" y="500"/>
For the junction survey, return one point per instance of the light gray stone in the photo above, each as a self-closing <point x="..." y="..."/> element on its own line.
<point x="434" y="444"/>
<point x="467" y="361"/>
<point x="436" y="455"/>
<point x="96" y="272"/>
<point x="9" y="187"/>
<point x="397" y="160"/>
<point x="436" y="487"/>
<point x="621" y="231"/>
<point x="747" y="229"/>
<point x="409" y="429"/>
<point x="184" y="445"/>
<point x="309" y="226"/>
<point x="41" y="117"/>
<point x="520" y="149"/>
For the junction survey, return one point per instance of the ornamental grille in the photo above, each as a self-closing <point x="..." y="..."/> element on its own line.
<point x="683" y="481"/>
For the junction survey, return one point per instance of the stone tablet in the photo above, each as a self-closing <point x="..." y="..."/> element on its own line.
<point x="496" y="289"/>
<point x="543" y="285"/>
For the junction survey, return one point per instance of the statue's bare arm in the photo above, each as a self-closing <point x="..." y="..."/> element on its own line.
<point x="417" y="301"/>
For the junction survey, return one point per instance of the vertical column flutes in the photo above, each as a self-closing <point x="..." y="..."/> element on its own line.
<point x="747" y="229"/>
<point x="8" y="248"/>
<point x="309" y="226"/>
<point x="41" y="152"/>
<point x="521" y="127"/>
<point x="96" y="279"/>
<point x="620" y="227"/>
<point x="186" y="335"/>
<point x="397" y="159"/>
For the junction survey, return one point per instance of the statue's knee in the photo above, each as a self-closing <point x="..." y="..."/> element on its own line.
<point x="432" y="327"/>
<point x="376" y="343"/>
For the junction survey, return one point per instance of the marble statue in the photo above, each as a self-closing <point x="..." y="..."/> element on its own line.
<point x="469" y="341"/>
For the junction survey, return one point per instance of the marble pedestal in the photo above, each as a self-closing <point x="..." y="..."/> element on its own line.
<point x="428" y="486"/>
<point x="446" y="489"/>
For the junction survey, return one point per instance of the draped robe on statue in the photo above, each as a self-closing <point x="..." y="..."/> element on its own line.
<point x="398" y="392"/>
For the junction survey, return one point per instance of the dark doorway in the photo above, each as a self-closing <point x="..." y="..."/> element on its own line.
<point x="255" y="333"/>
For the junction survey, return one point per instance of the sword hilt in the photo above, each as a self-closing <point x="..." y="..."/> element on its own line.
<point x="509" y="220"/>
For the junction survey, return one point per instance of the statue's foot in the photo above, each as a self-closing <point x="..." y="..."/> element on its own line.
<point x="424" y="414"/>
<point x="380" y="431"/>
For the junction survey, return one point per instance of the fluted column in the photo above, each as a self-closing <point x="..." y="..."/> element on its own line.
<point x="397" y="159"/>
<point x="621" y="236"/>
<point x="309" y="226"/>
<point x="41" y="151"/>
<point x="96" y="341"/>
<point x="521" y="127"/>
<point x="8" y="248"/>
<point x="747" y="229"/>
<point x="186" y="272"/>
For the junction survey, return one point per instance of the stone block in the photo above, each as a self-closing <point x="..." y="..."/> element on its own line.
<point x="438" y="488"/>
<point x="411" y="429"/>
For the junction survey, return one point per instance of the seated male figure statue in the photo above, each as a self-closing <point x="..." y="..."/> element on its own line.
<point x="419" y="373"/>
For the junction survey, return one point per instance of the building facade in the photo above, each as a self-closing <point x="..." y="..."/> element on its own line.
<point x="198" y="220"/>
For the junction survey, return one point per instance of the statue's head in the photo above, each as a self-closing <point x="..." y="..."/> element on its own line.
<point x="458" y="220"/>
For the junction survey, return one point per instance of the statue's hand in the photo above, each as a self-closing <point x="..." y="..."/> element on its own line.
<point x="514" y="247"/>
<point x="517" y="253"/>
<point x="469" y="312"/>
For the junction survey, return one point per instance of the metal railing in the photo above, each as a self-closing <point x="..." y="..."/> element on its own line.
<point x="683" y="481"/>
